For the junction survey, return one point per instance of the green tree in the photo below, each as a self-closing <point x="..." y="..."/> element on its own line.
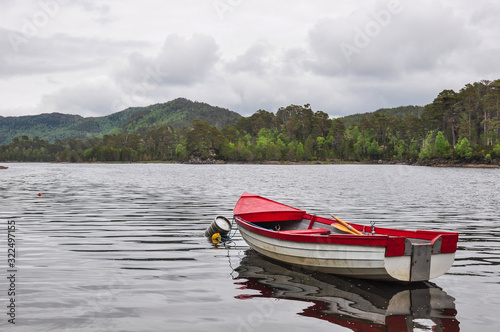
<point x="364" y="126"/>
<point x="243" y="151"/>
<point x="282" y="149"/>
<point x="300" y="151"/>
<point x="320" y="147"/>
<point x="413" y="150"/>
<point x="374" y="150"/>
<point x="309" y="153"/>
<point x="463" y="149"/>
<point x="428" y="151"/>
<point x="203" y="140"/>
<point x="441" y="145"/>
<point x="496" y="150"/>
<point x="181" y="151"/>
<point x="400" y="149"/>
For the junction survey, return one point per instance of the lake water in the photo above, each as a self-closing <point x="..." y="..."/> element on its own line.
<point x="120" y="247"/>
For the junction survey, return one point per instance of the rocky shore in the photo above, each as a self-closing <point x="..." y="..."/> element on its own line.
<point x="453" y="163"/>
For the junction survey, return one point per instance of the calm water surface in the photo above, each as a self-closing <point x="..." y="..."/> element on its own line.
<point x="121" y="248"/>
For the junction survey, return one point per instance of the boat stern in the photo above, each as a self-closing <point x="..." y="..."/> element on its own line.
<point x="422" y="260"/>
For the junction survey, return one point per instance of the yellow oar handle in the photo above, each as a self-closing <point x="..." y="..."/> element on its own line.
<point x="343" y="229"/>
<point x="347" y="225"/>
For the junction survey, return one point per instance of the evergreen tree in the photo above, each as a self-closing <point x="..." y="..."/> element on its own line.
<point x="441" y="145"/>
<point x="463" y="149"/>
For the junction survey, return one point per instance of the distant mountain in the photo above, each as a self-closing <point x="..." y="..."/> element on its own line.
<point x="177" y="113"/>
<point x="400" y="112"/>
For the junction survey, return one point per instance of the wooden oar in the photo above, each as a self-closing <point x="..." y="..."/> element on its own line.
<point x="347" y="225"/>
<point x="343" y="229"/>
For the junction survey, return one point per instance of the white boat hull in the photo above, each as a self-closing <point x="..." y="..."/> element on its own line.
<point x="367" y="262"/>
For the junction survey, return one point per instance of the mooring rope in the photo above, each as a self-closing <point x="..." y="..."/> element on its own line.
<point x="230" y="236"/>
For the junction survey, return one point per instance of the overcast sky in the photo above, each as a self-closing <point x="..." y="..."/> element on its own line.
<point x="95" y="58"/>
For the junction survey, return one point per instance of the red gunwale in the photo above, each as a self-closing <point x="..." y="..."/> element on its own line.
<point x="252" y="208"/>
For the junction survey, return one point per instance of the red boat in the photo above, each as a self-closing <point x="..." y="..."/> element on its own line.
<point x="330" y="245"/>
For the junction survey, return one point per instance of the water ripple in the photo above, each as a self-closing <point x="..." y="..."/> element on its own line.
<point x="121" y="247"/>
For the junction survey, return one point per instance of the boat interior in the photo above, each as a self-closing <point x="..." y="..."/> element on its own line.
<point x="313" y="225"/>
<point x="305" y="226"/>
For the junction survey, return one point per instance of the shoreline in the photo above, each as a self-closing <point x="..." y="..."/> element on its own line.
<point x="275" y="162"/>
<point x="467" y="165"/>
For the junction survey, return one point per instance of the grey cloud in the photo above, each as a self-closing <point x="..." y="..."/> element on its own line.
<point x="58" y="53"/>
<point x="377" y="42"/>
<point x="185" y="61"/>
<point x="181" y="61"/>
<point x="294" y="61"/>
<point x="254" y="60"/>
<point x="91" y="6"/>
<point x="486" y="13"/>
<point x="87" y="99"/>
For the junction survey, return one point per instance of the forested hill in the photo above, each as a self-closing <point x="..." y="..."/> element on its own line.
<point x="400" y="112"/>
<point x="457" y="127"/>
<point x="177" y="113"/>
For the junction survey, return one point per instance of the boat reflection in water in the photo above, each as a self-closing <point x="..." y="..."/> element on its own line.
<point x="356" y="304"/>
